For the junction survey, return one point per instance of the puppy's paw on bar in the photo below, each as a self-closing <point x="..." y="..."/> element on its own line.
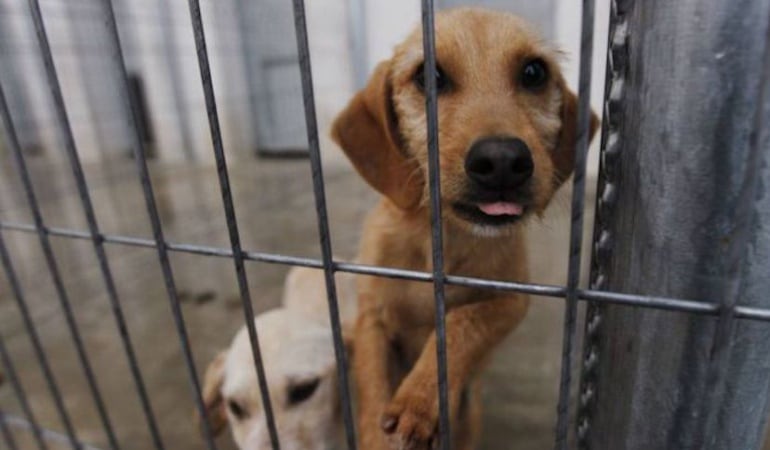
<point x="411" y="421"/>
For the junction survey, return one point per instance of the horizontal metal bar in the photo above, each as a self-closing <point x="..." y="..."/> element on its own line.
<point x="540" y="290"/>
<point x="48" y="435"/>
<point x="649" y="301"/>
<point x="747" y="312"/>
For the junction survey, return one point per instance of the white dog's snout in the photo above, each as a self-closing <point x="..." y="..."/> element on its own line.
<point x="257" y="437"/>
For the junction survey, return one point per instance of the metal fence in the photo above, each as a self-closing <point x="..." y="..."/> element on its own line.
<point x="727" y="310"/>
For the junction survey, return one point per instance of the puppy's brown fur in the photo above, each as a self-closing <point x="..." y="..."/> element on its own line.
<point x="383" y="132"/>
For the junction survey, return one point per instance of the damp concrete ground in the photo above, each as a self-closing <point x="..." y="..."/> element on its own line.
<point x="275" y="208"/>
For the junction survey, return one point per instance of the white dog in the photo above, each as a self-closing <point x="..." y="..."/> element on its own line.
<point x="300" y="368"/>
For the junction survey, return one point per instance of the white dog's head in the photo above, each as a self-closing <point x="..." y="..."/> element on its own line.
<point x="298" y="356"/>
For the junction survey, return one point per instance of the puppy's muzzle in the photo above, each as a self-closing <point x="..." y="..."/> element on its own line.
<point x="499" y="163"/>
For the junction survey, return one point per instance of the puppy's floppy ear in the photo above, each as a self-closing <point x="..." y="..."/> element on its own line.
<point x="564" y="154"/>
<point x="367" y="131"/>
<point x="212" y="395"/>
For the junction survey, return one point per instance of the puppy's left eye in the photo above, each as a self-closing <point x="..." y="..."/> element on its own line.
<point x="534" y="74"/>
<point x="300" y="392"/>
<point x="442" y="80"/>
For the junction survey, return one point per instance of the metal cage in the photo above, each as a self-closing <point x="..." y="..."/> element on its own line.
<point x="726" y="286"/>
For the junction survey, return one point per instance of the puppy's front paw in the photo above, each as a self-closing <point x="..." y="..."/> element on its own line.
<point x="410" y="421"/>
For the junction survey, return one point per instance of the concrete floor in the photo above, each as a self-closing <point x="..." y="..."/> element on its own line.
<point x="274" y="203"/>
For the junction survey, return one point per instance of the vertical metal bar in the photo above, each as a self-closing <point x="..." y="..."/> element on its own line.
<point x="53" y="267"/>
<point x="232" y="223"/>
<point x="96" y="238"/>
<point x="716" y="378"/>
<point x="576" y="225"/>
<point x="311" y="126"/>
<point x="615" y="72"/>
<point x="157" y="229"/>
<point x="7" y="435"/>
<point x="10" y="372"/>
<point x="13" y="280"/>
<point x="437" y="249"/>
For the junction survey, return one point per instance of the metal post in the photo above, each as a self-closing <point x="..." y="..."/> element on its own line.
<point x="689" y="165"/>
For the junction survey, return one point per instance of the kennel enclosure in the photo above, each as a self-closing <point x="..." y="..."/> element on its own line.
<point x="676" y="330"/>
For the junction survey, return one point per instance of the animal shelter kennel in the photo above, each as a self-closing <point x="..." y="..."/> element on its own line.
<point x="675" y="334"/>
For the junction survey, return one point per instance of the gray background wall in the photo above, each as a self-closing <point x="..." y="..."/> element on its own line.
<point x="251" y="47"/>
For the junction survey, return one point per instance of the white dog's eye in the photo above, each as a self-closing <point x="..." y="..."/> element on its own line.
<point x="237" y="410"/>
<point x="302" y="391"/>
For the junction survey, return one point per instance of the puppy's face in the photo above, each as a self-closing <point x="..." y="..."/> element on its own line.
<point x="299" y="366"/>
<point x="506" y="122"/>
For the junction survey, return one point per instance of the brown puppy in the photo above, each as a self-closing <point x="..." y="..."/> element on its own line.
<point x="506" y="134"/>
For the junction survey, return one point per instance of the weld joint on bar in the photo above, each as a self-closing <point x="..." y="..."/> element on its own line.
<point x="614" y="93"/>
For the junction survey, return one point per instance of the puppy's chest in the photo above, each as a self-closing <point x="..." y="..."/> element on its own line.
<point x="412" y="304"/>
<point x="408" y="311"/>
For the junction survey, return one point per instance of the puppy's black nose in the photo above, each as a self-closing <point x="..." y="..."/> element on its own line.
<point x="499" y="163"/>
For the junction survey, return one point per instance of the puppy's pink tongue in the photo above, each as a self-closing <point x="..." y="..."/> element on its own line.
<point x="501" y="209"/>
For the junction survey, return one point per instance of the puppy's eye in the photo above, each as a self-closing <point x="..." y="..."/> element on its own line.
<point x="534" y="74"/>
<point x="237" y="410"/>
<point x="442" y="80"/>
<point x="300" y="392"/>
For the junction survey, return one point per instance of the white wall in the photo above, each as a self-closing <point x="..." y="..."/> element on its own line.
<point x="387" y="24"/>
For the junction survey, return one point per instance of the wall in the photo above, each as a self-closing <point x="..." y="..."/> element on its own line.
<point x="158" y="43"/>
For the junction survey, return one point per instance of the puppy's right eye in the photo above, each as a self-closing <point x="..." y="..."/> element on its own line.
<point x="236" y="409"/>
<point x="534" y="74"/>
<point x="442" y="80"/>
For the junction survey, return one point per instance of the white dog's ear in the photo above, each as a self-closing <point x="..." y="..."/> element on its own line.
<point x="212" y="395"/>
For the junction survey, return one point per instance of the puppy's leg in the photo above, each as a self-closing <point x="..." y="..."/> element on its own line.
<point x="473" y="330"/>
<point x="370" y="367"/>
<point x="467" y="429"/>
